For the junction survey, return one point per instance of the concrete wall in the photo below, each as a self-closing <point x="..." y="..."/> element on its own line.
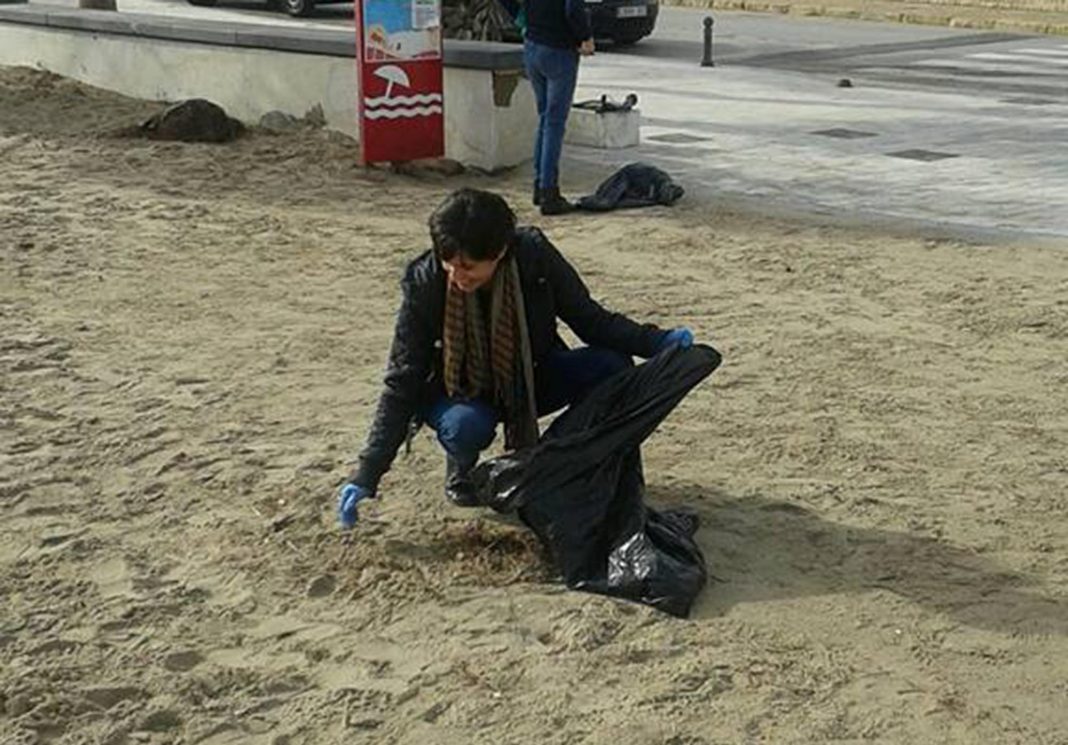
<point x="247" y="82"/>
<point x="484" y="128"/>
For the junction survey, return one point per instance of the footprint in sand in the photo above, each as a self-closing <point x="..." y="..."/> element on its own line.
<point x="180" y="662"/>
<point x="106" y="697"/>
<point x="162" y="720"/>
<point x="322" y="586"/>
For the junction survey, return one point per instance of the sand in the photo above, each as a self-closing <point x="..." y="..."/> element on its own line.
<point x="191" y="341"/>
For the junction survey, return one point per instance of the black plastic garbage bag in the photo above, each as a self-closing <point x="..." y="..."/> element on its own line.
<point x="581" y="488"/>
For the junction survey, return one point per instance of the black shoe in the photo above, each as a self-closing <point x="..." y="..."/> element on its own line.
<point x="554" y="204"/>
<point x="458" y="487"/>
<point x="537" y="195"/>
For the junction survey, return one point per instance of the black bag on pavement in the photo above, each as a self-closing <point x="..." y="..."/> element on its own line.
<point x="634" y="185"/>
<point x="581" y="488"/>
<point x="604" y="104"/>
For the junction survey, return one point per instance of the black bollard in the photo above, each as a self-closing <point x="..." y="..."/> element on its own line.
<point x="707" y="61"/>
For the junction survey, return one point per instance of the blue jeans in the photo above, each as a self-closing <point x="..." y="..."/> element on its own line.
<point x="552" y="73"/>
<point x="564" y="377"/>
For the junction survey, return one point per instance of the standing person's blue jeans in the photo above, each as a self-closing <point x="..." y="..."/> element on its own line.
<point x="564" y="377"/>
<point x="553" y="73"/>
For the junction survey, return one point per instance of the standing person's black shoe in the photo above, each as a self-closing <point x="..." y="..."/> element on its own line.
<point x="537" y="194"/>
<point x="554" y="204"/>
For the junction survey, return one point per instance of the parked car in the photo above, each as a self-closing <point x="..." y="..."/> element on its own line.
<point x="292" y="7"/>
<point x="623" y="21"/>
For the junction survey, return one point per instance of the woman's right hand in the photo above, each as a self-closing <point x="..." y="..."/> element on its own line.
<point x="587" y="48"/>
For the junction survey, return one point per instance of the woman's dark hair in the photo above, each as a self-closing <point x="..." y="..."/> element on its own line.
<point x="477" y="223"/>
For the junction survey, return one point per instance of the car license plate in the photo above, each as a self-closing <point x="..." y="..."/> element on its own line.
<point x="632" y="11"/>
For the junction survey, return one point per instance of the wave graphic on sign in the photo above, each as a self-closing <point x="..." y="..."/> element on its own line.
<point x="406" y="113"/>
<point x="426" y="98"/>
<point x="407" y="107"/>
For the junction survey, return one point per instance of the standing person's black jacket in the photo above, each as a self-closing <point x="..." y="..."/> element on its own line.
<point x="551" y="289"/>
<point x="554" y="23"/>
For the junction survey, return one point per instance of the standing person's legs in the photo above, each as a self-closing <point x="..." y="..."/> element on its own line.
<point x="540" y="84"/>
<point x="567" y="376"/>
<point x="560" y="67"/>
<point x="553" y="74"/>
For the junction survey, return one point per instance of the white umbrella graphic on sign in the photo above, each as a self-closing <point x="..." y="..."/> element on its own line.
<point x="393" y="75"/>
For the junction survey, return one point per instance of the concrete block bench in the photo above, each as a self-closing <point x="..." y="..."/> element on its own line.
<point x="608" y="130"/>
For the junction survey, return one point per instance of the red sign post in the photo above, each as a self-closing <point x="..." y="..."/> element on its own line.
<point x="401" y="101"/>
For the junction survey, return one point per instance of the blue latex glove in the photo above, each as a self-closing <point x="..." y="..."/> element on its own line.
<point x="681" y="336"/>
<point x="347" y="499"/>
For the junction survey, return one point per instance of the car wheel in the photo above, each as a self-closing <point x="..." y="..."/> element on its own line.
<point x="298" y="8"/>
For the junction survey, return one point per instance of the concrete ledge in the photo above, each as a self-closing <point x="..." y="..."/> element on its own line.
<point x="473" y="55"/>
<point x="482" y="55"/>
<point x="309" y="41"/>
<point x="252" y="69"/>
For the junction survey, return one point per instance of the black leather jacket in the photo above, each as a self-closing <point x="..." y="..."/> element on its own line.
<point x="551" y="289"/>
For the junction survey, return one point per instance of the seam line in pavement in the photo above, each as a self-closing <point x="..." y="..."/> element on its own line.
<point x="818" y="55"/>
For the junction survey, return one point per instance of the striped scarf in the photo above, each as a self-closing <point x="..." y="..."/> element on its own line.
<point x="492" y="361"/>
